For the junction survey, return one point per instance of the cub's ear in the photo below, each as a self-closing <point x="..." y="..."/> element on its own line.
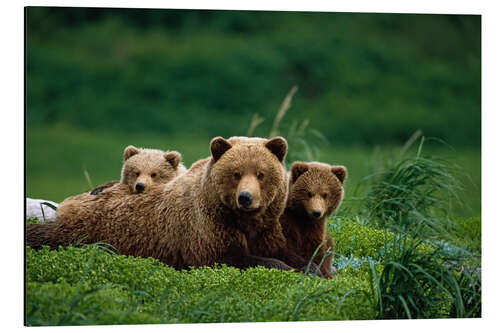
<point x="173" y="158"/>
<point x="278" y="147"/>
<point x="129" y="152"/>
<point x="219" y="146"/>
<point x="340" y="172"/>
<point x="298" y="168"/>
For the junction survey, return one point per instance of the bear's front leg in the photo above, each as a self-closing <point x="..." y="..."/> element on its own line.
<point x="271" y="243"/>
<point x="299" y="263"/>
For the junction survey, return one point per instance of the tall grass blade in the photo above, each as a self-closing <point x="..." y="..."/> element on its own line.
<point x="285" y="105"/>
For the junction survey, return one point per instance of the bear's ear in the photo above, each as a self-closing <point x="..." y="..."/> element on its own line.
<point x="129" y="152"/>
<point x="298" y="168"/>
<point x="278" y="147"/>
<point x="173" y="158"/>
<point x="340" y="172"/>
<point x="219" y="146"/>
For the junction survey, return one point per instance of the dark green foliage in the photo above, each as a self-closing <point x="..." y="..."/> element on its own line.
<point x="410" y="198"/>
<point x="362" y="78"/>
<point x="412" y="284"/>
<point x="469" y="285"/>
<point x="78" y="286"/>
<point x="416" y="284"/>
<point x="413" y="191"/>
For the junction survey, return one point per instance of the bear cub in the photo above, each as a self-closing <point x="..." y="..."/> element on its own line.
<point x="144" y="167"/>
<point x="315" y="192"/>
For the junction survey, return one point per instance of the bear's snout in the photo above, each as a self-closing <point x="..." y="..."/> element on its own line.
<point x="316" y="213"/>
<point x="315" y="207"/>
<point x="139" y="187"/>
<point x="245" y="199"/>
<point x="247" y="194"/>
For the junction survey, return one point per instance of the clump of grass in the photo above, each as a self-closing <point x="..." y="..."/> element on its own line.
<point x="415" y="284"/>
<point x="407" y="286"/>
<point x="413" y="191"/>
<point x="409" y="197"/>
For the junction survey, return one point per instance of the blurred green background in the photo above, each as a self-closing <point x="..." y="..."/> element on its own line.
<point x="98" y="80"/>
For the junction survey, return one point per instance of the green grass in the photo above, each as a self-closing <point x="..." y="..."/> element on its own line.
<point x="78" y="286"/>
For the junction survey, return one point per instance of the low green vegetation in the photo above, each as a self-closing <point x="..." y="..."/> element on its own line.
<point x="77" y="286"/>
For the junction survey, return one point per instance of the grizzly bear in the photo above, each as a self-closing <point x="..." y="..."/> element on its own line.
<point x="315" y="192"/>
<point x="144" y="167"/>
<point x="225" y="209"/>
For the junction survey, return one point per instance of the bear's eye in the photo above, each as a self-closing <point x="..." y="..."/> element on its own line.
<point x="153" y="175"/>
<point x="309" y="194"/>
<point x="324" y="195"/>
<point x="137" y="174"/>
<point x="237" y="175"/>
<point x="260" y="176"/>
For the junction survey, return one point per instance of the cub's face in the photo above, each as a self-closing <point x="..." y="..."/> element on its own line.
<point x="248" y="172"/>
<point x="144" y="167"/>
<point x="316" y="189"/>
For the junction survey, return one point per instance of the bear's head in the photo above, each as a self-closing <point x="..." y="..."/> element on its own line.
<point x="315" y="189"/>
<point x="248" y="173"/>
<point x="145" y="167"/>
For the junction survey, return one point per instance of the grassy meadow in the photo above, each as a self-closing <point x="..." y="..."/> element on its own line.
<point x="374" y="92"/>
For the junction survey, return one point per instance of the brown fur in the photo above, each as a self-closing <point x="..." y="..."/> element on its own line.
<point x="144" y="167"/>
<point x="314" y="187"/>
<point x="194" y="220"/>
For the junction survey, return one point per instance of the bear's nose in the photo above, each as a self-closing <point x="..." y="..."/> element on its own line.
<point x="245" y="199"/>
<point x="139" y="187"/>
<point x="316" y="213"/>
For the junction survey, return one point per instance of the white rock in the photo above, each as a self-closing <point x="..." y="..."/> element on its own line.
<point x="36" y="208"/>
